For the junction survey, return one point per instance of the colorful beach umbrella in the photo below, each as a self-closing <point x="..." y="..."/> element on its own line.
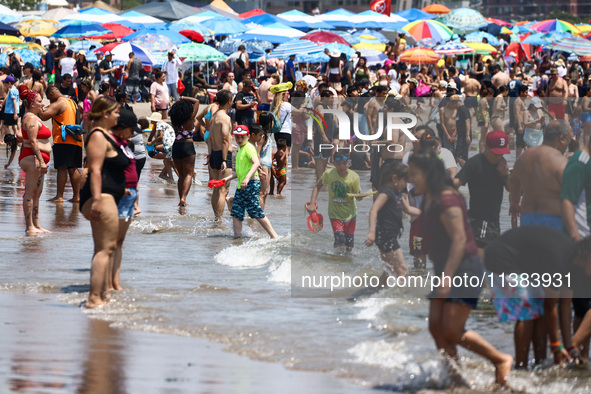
<point x="438" y="9"/>
<point x="453" y="48"/>
<point x="80" y="29"/>
<point x="464" y="19"/>
<point x="419" y="56"/>
<point x="276" y="33"/>
<point x="370" y="44"/>
<point x="153" y="42"/>
<point x="28" y="56"/>
<point x="552" y="25"/>
<point x="498" y="22"/>
<point x="325" y="37"/>
<point x="35" y="27"/>
<point x="481" y="48"/>
<point x="584" y="27"/>
<point x="295" y="47"/>
<point x="121" y="51"/>
<point x="428" y="28"/>
<point x="578" y="46"/>
<point x="172" y="35"/>
<point x="199" y="53"/>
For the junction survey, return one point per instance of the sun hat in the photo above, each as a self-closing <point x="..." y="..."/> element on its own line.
<point x="155" y="117"/>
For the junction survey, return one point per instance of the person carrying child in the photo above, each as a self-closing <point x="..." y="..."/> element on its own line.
<point x="249" y="185"/>
<point x="385" y="219"/>
<point x="342" y="209"/>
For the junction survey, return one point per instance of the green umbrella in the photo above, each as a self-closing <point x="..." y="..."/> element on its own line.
<point x="199" y="53"/>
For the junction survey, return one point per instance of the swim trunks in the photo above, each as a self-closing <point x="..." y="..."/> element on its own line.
<point x="558" y="109"/>
<point x="216" y="160"/>
<point x="541" y="219"/>
<point x="471" y="102"/>
<point x="281" y="172"/>
<point x="248" y="200"/>
<point x="344" y="231"/>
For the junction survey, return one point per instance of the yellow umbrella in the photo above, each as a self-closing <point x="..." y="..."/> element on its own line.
<point x="36" y="27"/>
<point x="371" y="45"/>
<point x="586" y="28"/>
<point x="37" y="48"/>
<point x="481" y="47"/>
<point x="12" y="41"/>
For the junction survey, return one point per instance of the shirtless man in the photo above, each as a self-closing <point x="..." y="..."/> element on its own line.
<point x="556" y="91"/>
<point x="500" y="78"/>
<point x="448" y="116"/>
<point x="471" y="89"/>
<point x="534" y="196"/>
<point x="520" y="115"/>
<point x="220" y="150"/>
<point x="265" y="95"/>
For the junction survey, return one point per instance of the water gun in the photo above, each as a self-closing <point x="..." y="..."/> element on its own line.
<point x="73" y="130"/>
<point x="216" y="183"/>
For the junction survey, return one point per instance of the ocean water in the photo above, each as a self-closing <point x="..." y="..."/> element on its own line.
<point x="185" y="275"/>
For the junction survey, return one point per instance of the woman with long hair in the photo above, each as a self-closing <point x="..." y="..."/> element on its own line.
<point x="35" y="155"/>
<point x="361" y="71"/>
<point x="182" y="118"/>
<point x="282" y="109"/>
<point x="104" y="188"/>
<point x="451" y="247"/>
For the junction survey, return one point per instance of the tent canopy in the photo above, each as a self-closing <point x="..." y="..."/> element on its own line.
<point x="221" y="4"/>
<point x="168" y="11"/>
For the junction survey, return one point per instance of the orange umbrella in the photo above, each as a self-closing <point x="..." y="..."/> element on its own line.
<point x="436" y="9"/>
<point x="419" y="56"/>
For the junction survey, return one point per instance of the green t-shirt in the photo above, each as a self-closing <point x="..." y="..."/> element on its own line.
<point x="576" y="185"/>
<point x="341" y="206"/>
<point x="244" y="161"/>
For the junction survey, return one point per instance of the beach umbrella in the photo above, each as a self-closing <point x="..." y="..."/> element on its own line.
<point x="254" y="48"/>
<point x="199" y="53"/>
<point x="316" y="57"/>
<point x="392" y="35"/>
<point x="153" y="42"/>
<point x="367" y="43"/>
<point x="414" y="14"/>
<point x="535" y="39"/>
<point x="584" y="27"/>
<point x="419" y="56"/>
<point x="373" y="56"/>
<point x="347" y="50"/>
<point x="117" y="31"/>
<point x="108" y="17"/>
<point x="11" y="18"/>
<point x="295" y="47"/>
<point x="276" y="33"/>
<point x="325" y="37"/>
<point x="373" y="33"/>
<point x="578" y="46"/>
<point x="172" y="35"/>
<point x="477" y="36"/>
<point x="80" y="29"/>
<point x="263" y="20"/>
<point x="35" y="27"/>
<point x="498" y="22"/>
<point x="192" y="35"/>
<point x="553" y="25"/>
<point x="338" y="18"/>
<point x="519" y="49"/>
<point x="251" y="13"/>
<point x="350" y="38"/>
<point x="28" y="56"/>
<point x="428" y="43"/>
<point x="85" y="45"/>
<point x="481" y="48"/>
<point x="299" y="20"/>
<point x="453" y="48"/>
<point x="7" y="29"/>
<point x="121" y="50"/>
<point x="136" y="20"/>
<point x="428" y="28"/>
<point x="371" y="19"/>
<point x="58" y="13"/>
<point x="438" y="9"/>
<point x="224" y="27"/>
<point x="190" y="23"/>
<point x="464" y="19"/>
<point x="95" y="11"/>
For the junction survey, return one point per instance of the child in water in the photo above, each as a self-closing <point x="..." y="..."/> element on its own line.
<point x="385" y="219"/>
<point x="342" y="209"/>
<point x="249" y="185"/>
<point x="280" y="166"/>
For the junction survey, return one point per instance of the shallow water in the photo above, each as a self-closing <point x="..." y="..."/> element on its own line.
<point x="185" y="275"/>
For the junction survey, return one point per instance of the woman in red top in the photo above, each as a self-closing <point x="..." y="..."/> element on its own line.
<point x="33" y="158"/>
<point x="450" y="244"/>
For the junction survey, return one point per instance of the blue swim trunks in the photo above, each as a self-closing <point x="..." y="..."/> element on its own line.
<point x="541" y="219"/>
<point x="248" y="200"/>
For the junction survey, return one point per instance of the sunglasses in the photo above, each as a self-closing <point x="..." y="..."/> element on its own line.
<point x="341" y="158"/>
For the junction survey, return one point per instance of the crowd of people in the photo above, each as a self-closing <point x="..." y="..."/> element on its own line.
<point x="254" y="116"/>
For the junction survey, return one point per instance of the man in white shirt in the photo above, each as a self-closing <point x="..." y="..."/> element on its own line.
<point x="171" y="68"/>
<point x="68" y="63"/>
<point x="240" y="54"/>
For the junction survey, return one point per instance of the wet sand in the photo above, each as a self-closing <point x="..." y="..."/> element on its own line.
<point x="49" y="346"/>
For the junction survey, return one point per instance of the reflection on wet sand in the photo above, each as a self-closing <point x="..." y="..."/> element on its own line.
<point x="66" y="216"/>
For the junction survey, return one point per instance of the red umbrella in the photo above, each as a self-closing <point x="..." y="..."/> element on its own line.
<point x="192" y="35"/>
<point x="252" y="13"/>
<point x="521" y="50"/>
<point x="118" y="31"/>
<point x="499" y="22"/>
<point x="325" y="37"/>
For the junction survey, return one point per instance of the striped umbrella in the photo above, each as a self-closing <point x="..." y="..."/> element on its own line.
<point x="373" y="56"/>
<point x="578" y="46"/>
<point x="453" y="48"/>
<point x="428" y="43"/>
<point x="477" y="36"/>
<point x="295" y="47"/>
<point x="481" y="48"/>
<point x="419" y="56"/>
<point x="552" y="25"/>
<point x="428" y="28"/>
<point x="464" y="19"/>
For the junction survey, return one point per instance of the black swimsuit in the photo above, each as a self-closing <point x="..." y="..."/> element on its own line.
<point x="113" y="175"/>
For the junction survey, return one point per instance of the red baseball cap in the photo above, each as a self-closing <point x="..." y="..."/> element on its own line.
<point x="241" y="130"/>
<point x="498" y="142"/>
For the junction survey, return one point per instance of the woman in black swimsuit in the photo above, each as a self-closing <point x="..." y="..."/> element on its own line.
<point x="182" y="117"/>
<point x="101" y="193"/>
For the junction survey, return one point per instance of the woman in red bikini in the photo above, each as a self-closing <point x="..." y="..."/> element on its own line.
<point x="33" y="158"/>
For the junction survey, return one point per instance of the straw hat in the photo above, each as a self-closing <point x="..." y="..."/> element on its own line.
<point x="155" y="117"/>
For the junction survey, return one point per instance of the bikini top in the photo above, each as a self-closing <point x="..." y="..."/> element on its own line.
<point x="43" y="133"/>
<point x="183" y="134"/>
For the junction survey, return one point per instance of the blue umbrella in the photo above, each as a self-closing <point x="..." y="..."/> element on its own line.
<point x="188" y="24"/>
<point x="295" y="47"/>
<point x="28" y="56"/>
<point x="414" y="14"/>
<point x="373" y="33"/>
<point x="338" y="18"/>
<point x="263" y="19"/>
<point x="318" y="57"/>
<point x="335" y="46"/>
<point x="84" y="45"/>
<point x="84" y="29"/>
<point x="174" y="36"/>
<point x="535" y="39"/>
<point x="276" y="33"/>
<point x="225" y="26"/>
<point x="299" y="20"/>
<point x="477" y="36"/>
